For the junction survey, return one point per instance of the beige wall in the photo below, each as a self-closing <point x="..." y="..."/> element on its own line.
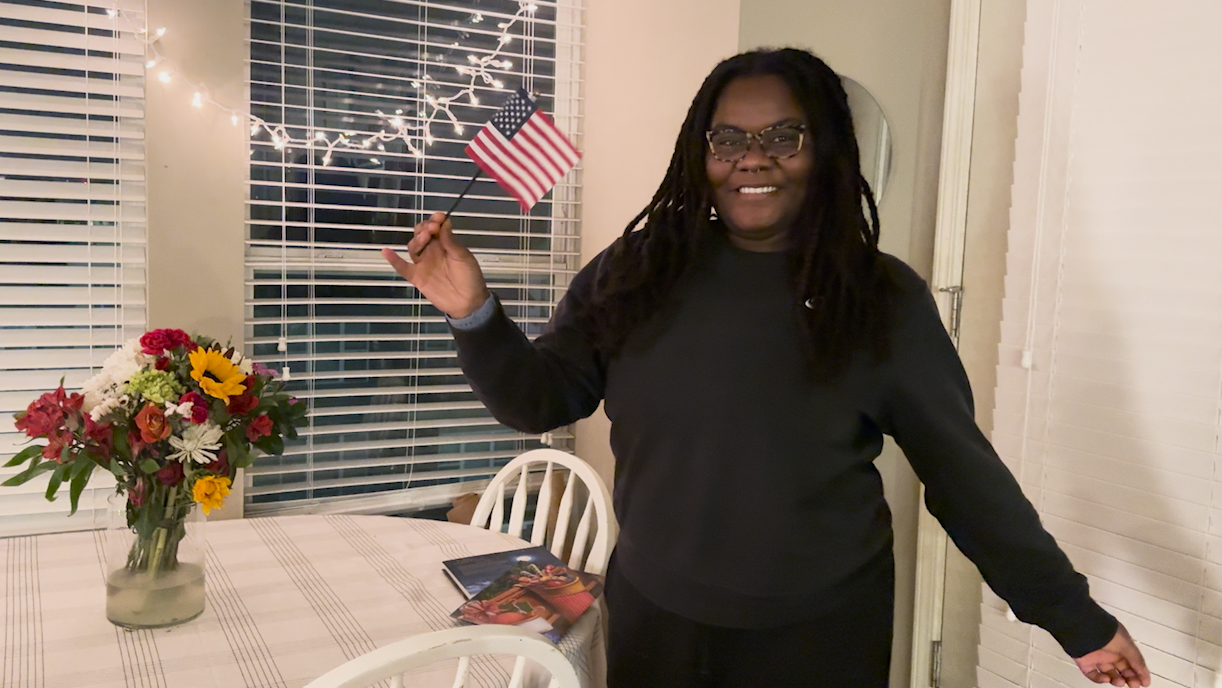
<point x="897" y="51"/>
<point x="197" y="177"/>
<point x="988" y="219"/>
<point x="640" y="76"/>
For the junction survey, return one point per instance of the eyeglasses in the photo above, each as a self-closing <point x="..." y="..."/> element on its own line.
<point x="778" y="143"/>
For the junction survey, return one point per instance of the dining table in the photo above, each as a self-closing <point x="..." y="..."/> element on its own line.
<point x="287" y="599"/>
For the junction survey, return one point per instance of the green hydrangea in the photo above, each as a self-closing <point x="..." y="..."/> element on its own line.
<point x="157" y="386"/>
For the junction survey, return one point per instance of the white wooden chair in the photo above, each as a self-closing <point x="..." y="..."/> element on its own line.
<point x="597" y="512"/>
<point x="392" y="661"/>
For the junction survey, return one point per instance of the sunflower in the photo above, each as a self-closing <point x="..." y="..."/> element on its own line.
<point x="210" y="492"/>
<point x="216" y="374"/>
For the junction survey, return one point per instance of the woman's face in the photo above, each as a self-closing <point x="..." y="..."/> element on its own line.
<point x="759" y="197"/>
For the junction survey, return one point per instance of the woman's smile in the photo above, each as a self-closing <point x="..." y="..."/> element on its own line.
<point x="758" y="197"/>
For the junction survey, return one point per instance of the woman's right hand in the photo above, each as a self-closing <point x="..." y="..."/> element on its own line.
<point x="444" y="271"/>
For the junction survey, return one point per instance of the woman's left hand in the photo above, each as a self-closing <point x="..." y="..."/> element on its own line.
<point x="1119" y="662"/>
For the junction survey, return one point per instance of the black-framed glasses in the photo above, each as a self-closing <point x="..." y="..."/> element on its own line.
<point x="778" y="143"/>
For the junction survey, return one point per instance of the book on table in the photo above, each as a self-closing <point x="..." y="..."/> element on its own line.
<point x="546" y="598"/>
<point x="473" y="574"/>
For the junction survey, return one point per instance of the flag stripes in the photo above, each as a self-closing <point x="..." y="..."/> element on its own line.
<point x="522" y="149"/>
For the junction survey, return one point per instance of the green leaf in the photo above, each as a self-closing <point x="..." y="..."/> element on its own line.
<point x="80" y="478"/>
<point x="25" y="455"/>
<point x="36" y="469"/>
<point x="240" y="456"/>
<point x="149" y="466"/>
<point x="118" y="469"/>
<point x="271" y="445"/>
<point x="57" y="477"/>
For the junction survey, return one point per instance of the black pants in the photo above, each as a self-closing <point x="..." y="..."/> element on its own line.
<point x="649" y="647"/>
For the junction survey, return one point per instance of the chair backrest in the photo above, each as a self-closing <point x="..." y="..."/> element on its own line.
<point x="392" y="661"/>
<point x="597" y="511"/>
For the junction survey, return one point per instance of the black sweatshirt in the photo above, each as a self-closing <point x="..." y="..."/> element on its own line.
<point x="746" y="496"/>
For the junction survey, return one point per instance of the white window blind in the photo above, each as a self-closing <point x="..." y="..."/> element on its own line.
<point x="1114" y="295"/>
<point x="393" y="424"/>
<point x="72" y="216"/>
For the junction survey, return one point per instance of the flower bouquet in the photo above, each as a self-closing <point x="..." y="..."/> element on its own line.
<point x="172" y="418"/>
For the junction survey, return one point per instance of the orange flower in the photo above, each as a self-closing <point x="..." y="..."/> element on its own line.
<point x="151" y="421"/>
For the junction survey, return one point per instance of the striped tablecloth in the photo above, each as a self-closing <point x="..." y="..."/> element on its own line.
<point x="288" y="599"/>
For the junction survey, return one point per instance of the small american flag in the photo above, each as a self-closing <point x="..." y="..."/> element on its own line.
<point x="522" y="149"/>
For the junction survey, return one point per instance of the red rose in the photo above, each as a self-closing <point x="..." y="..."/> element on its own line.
<point x="221" y="465"/>
<point x="242" y="405"/>
<point x="151" y="421"/>
<point x="156" y="342"/>
<point x="171" y="475"/>
<point x="199" y="407"/>
<point x="43" y="416"/>
<point x="161" y="363"/>
<point x="259" y="427"/>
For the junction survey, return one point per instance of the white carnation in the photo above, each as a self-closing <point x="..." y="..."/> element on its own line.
<point x="107" y="405"/>
<point x="183" y="410"/>
<point x="108" y="385"/>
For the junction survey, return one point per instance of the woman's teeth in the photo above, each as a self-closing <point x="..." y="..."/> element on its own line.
<point x="757" y="189"/>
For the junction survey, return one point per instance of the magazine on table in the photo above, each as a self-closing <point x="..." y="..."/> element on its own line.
<point x="473" y="574"/>
<point x="545" y="598"/>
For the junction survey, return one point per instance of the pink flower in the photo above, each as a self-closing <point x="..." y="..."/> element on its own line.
<point x="259" y="427"/>
<point x="55" y="448"/>
<point x="43" y="416"/>
<point x="136" y="494"/>
<point x="171" y="475"/>
<point x="101" y="438"/>
<point x="199" y="407"/>
<point x="135" y="444"/>
<point x="155" y="342"/>
<point x="47" y="413"/>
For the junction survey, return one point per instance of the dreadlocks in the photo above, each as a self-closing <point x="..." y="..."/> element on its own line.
<point x="834" y="251"/>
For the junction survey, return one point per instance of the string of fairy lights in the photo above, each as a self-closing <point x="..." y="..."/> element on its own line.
<point x="415" y="132"/>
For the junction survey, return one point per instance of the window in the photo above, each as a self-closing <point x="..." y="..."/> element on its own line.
<point x="1109" y="392"/>
<point x="72" y="215"/>
<point x="393" y="424"/>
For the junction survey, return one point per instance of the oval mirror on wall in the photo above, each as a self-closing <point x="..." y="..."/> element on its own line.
<point x="873" y="136"/>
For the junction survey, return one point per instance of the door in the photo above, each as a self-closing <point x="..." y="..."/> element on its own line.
<point x="980" y="126"/>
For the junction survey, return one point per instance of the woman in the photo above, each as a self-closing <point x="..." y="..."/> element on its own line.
<point x="752" y="346"/>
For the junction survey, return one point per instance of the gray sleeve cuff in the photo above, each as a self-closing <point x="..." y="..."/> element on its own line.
<point x="481" y="315"/>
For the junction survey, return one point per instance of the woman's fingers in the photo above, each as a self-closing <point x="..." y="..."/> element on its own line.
<point x="404" y="268"/>
<point x="1119" y="674"/>
<point x="423" y="235"/>
<point x="425" y="232"/>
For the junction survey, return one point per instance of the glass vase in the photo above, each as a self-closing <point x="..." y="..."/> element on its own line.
<point x="154" y="560"/>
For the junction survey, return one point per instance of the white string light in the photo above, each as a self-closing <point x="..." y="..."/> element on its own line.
<point x="396" y="127"/>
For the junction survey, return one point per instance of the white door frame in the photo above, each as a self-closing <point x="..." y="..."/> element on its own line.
<point x="947" y="283"/>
